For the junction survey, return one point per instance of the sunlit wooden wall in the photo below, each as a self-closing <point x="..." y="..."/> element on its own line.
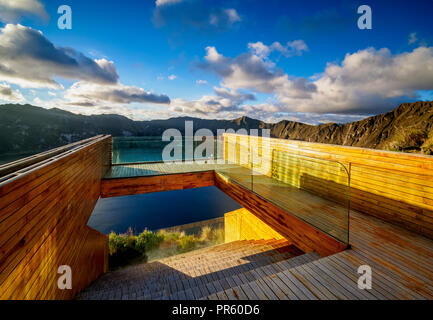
<point x="43" y="217"/>
<point x="396" y="187"/>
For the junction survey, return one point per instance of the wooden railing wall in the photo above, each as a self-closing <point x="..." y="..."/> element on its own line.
<point x="44" y="210"/>
<point x="396" y="187"/>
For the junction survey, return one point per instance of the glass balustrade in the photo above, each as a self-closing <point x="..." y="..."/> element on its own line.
<point x="313" y="189"/>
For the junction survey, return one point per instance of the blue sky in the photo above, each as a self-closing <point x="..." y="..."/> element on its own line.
<point x="298" y="60"/>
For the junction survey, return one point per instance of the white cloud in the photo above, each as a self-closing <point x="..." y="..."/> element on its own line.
<point x="232" y="15"/>
<point x="29" y="59"/>
<point x="246" y="71"/>
<point x="369" y="81"/>
<point x="292" y="48"/>
<point x="13" y="10"/>
<point x="93" y="94"/>
<point x="412" y="38"/>
<point x="224" y="16"/>
<point x="268" y="112"/>
<point x="201" y="82"/>
<point x="272" y="113"/>
<point x="172" y="77"/>
<point x="9" y="94"/>
<point x="259" y="49"/>
<point x="166" y="2"/>
<point x="224" y="100"/>
<point x="141" y="113"/>
<point x="194" y="14"/>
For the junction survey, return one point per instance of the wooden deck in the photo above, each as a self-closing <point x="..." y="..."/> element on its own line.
<point x="132" y="170"/>
<point x="401" y="263"/>
<point x="401" y="260"/>
<point x="46" y="201"/>
<point x="249" y="270"/>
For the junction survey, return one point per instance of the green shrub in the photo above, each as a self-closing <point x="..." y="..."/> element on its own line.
<point x="123" y="250"/>
<point x="186" y="244"/>
<point x="218" y="235"/>
<point x="121" y="242"/>
<point x="170" y="236"/>
<point x="148" y="240"/>
<point x="127" y="248"/>
<point x="206" y="233"/>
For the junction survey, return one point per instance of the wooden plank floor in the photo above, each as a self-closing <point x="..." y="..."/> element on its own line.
<point x="159" y="168"/>
<point x="401" y="263"/>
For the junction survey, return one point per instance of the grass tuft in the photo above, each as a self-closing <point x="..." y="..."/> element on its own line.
<point x="127" y="248"/>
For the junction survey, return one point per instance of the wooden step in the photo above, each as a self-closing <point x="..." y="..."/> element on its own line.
<point x="275" y="285"/>
<point x="162" y="270"/>
<point x="234" y="280"/>
<point x="167" y="274"/>
<point x="175" y="284"/>
<point x="198" y="274"/>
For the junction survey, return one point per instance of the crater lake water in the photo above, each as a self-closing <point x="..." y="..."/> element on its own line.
<point x="160" y="209"/>
<point x="155" y="210"/>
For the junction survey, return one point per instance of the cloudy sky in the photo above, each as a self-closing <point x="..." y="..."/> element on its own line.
<point x="271" y="60"/>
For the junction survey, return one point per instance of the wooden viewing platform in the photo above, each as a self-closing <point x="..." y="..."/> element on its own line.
<point x="329" y="216"/>
<point x="46" y="201"/>
<point x="401" y="263"/>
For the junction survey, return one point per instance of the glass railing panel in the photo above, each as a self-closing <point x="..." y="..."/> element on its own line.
<point x="151" y="149"/>
<point x="234" y="162"/>
<point x="315" y="190"/>
<point x="148" y="156"/>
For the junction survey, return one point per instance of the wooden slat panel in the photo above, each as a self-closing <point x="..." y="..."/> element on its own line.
<point x="43" y="215"/>
<point x="139" y="185"/>
<point x="14" y="166"/>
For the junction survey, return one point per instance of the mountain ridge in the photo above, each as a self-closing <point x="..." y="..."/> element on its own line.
<point x="27" y="128"/>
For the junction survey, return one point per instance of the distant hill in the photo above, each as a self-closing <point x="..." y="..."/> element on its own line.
<point x="407" y="128"/>
<point x="30" y="129"/>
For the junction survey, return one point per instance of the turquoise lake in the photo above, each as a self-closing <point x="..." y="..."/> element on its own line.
<point x="155" y="210"/>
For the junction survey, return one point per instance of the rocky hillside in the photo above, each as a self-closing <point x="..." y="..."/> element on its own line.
<point x="407" y="128"/>
<point x="29" y="129"/>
